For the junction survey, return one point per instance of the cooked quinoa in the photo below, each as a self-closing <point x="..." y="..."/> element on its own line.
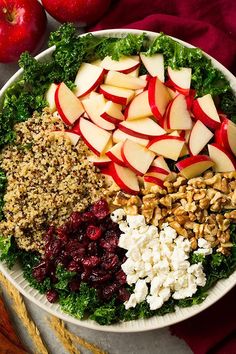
<point x="48" y="178"/>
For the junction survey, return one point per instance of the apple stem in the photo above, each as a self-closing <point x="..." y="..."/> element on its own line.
<point x="8" y="14"/>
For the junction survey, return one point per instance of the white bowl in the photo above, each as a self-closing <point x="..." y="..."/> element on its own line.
<point x="15" y="275"/>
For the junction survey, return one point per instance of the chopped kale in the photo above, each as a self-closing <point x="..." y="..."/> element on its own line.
<point x="63" y="277"/>
<point x="8" y="251"/>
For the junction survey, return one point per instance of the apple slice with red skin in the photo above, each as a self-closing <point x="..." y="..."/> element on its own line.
<point x="97" y="139"/>
<point x="152" y="178"/>
<point x="94" y="106"/>
<point x="204" y="109"/>
<point x="157" y="172"/>
<point x="180" y="79"/>
<point x="112" y="112"/>
<point x="99" y="161"/>
<point x="117" y="79"/>
<point x="125" y="64"/>
<point x="158" y="97"/>
<point x="136" y="157"/>
<point x="72" y="136"/>
<point x="161" y="163"/>
<point x="178" y="117"/>
<point x="88" y="78"/>
<point x="116" y="94"/>
<point x="50" y="97"/>
<point x="134" y="73"/>
<point x="142" y="128"/>
<point x="118" y="136"/>
<point x="199" y="137"/>
<point x="68" y="105"/>
<point x="154" y="65"/>
<point x="194" y="166"/>
<point x="139" y="107"/>
<point x="224" y="161"/>
<point x="125" y="178"/>
<point x="114" y="154"/>
<point x="228" y="135"/>
<point x="167" y="146"/>
<point x="184" y="150"/>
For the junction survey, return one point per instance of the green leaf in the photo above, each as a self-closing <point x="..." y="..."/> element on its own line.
<point x="8" y="251"/>
<point x="64" y="277"/>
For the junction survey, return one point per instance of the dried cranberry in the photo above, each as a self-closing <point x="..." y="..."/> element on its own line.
<point x="73" y="266"/>
<point x="123" y="294"/>
<point x="99" y="278"/>
<point x="85" y="275"/>
<point x="74" y="285"/>
<point x="71" y="246"/>
<point x="93" y="232"/>
<point x="40" y="271"/>
<point x="88" y="217"/>
<point x="75" y="220"/>
<point x="63" y="233"/>
<point x="52" y="295"/>
<point x="53" y="249"/>
<point x="100" y="209"/>
<point x="62" y="259"/>
<point x="91" y="262"/>
<point x="48" y="237"/>
<point x="109" y="261"/>
<point x="120" y="277"/>
<point x="109" y="291"/>
<point x="92" y="249"/>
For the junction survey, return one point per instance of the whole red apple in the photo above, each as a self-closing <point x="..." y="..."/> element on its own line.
<point x="22" y="27"/>
<point x="81" y="12"/>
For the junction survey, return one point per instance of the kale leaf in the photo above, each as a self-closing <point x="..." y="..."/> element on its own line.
<point x="64" y="277"/>
<point x="8" y="251"/>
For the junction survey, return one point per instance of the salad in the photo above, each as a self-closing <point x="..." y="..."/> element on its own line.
<point x="117" y="180"/>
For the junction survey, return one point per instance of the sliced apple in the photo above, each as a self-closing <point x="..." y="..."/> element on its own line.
<point x="125" y="178"/>
<point x="158" y="97"/>
<point x="224" y="161"/>
<point x="112" y="112"/>
<point x="199" y="137"/>
<point x="94" y="107"/>
<point x="116" y="94"/>
<point x="154" y="65"/>
<point x="50" y="97"/>
<point x="125" y="64"/>
<point x="157" y="172"/>
<point x="118" y="136"/>
<point x="184" y="150"/>
<point x="136" y="157"/>
<point x="99" y="161"/>
<point x="193" y="166"/>
<point x="178" y="114"/>
<point x="134" y="73"/>
<point x="94" y="137"/>
<point x="180" y="79"/>
<point x="172" y="92"/>
<point x="143" y="128"/>
<point x="204" y="109"/>
<point x="68" y="105"/>
<point x="228" y="134"/>
<point x="114" y="154"/>
<point x="153" y="179"/>
<point x="73" y="137"/>
<point x="88" y="78"/>
<point x="161" y="163"/>
<point x="115" y="78"/>
<point x="139" y="107"/>
<point x="167" y="146"/>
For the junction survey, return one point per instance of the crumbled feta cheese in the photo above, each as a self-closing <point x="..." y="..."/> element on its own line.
<point x="155" y="302"/>
<point x="118" y="215"/>
<point x="135" y="221"/>
<point x="202" y="243"/>
<point x="203" y="251"/>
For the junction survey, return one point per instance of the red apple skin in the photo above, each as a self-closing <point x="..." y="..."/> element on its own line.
<point x="109" y="118"/>
<point x="115" y="159"/>
<point x="164" y="137"/>
<point x="132" y="132"/>
<point x="199" y="114"/>
<point x="138" y="173"/>
<point x="113" y="98"/>
<point x="129" y="70"/>
<point x="191" y="160"/>
<point x="119" y="181"/>
<point x="22" y="27"/>
<point x="228" y="154"/>
<point x="224" y="135"/>
<point x="158" y="170"/>
<point x="151" y="98"/>
<point x="81" y="12"/>
<point x="154" y="180"/>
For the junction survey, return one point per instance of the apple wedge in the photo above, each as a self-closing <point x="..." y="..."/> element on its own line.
<point x="68" y="105"/>
<point x="112" y="112"/>
<point x="178" y="117"/>
<point x="97" y="139"/>
<point x="139" y="107"/>
<point x="136" y="157"/>
<point x="158" y="97"/>
<point x="88" y="78"/>
<point x="50" y="97"/>
<point x="115" y="78"/>
<point x="153" y="179"/>
<point x="142" y="128"/>
<point x="199" y="137"/>
<point x="99" y="161"/>
<point x="118" y="136"/>
<point x="180" y="79"/>
<point x="73" y="137"/>
<point x="116" y="94"/>
<point x="94" y="106"/>
<point x="134" y="73"/>
<point x="154" y="65"/>
<point x="125" y="178"/>
<point x="157" y="172"/>
<point x="193" y="166"/>
<point x="204" y="109"/>
<point x="224" y="161"/>
<point x="167" y="146"/>
<point x="184" y="150"/>
<point x="172" y="92"/>
<point x="124" y="64"/>
<point x="228" y="134"/>
<point x="161" y="163"/>
<point x="114" y="154"/>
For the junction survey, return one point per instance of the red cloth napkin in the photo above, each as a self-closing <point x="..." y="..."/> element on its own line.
<point x="210" y="25"/>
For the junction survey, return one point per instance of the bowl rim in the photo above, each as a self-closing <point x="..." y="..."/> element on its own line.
<point x="218" y="291"/>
